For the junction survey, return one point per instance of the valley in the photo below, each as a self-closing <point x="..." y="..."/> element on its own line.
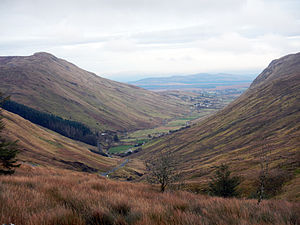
<point x="200" y="129"/>
<point x="201" y="105"/>
<point x="149" y="112"/>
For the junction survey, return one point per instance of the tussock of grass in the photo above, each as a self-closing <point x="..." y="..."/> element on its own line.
<point x="48" y="196"/>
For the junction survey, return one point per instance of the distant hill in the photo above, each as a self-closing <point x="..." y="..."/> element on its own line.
<point x="195" y="81"/>
<point x="52" y="85"/>
<point x="264" y="120"/>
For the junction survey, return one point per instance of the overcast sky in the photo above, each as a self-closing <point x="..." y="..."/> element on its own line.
<point x="131" y="39"/>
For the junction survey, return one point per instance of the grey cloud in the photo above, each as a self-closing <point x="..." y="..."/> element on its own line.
<point x="112" y="35"/>
<point x="172" y="36"/>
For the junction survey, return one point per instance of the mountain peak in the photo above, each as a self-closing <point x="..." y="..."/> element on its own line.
<point x="279" y="68"/>
<point x="43" y="55"/>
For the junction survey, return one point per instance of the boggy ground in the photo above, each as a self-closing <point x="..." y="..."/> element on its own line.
<point x="37" y="195"/>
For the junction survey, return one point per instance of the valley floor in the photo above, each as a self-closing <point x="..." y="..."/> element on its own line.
<point x="40" y="195"/>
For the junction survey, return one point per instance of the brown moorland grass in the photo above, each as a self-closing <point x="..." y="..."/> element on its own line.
<point x="36" y="195"/>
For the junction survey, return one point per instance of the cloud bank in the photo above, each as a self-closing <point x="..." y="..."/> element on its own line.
<point x="134" y="38"/>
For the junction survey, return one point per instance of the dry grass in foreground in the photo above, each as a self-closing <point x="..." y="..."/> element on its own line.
<point x="52" y="196"/>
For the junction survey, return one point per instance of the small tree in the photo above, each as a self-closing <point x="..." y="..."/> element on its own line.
<point x="8" y="153"/>
<point x="8" y="150"/>
<point x="116" y="138"/>
<point x="163" y="170"/>
<point x="222" y="184"/>
<point x="270" y="181"/>
<point x="263" y="174"/>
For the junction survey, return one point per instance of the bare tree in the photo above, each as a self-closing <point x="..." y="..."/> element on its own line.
<point x="163" y="170"/>
<point x="264" y="170"/>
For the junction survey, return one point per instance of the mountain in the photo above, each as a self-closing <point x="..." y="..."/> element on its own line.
<point x="195" y="81"/>
<point x="40" y="146"/>
<point x="264" y="120"/>
<point x="52" y="85"/>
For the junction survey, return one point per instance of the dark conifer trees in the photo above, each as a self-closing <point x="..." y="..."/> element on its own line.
<point x="222" y="184"/>
<point x="68" y="128"/>
<point x="8" y="149"/>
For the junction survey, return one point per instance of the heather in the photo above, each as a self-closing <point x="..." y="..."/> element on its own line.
<point x="36" y="195"/>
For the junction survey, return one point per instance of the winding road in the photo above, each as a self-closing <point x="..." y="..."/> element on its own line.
<point x="105" y="174"/>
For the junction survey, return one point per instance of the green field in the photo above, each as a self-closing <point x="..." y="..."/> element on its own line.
<point x="141" y="141"/>
<point x="171" y="125"/>
<point x="119" y="149"/>
<point x="177" y="123"/>
<point x="130" y="143"/>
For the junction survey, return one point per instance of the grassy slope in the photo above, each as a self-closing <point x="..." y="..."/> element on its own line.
<point x="265" y="118"/>
<point x="53" y="85"/>
<point x="72" y="198"/>
<point x="40" y="146"/>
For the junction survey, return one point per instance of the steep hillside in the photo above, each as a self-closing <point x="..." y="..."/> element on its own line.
<point x="40" y="146"/>
<point x="53" y="85"/>
<point x="265" y="119"/>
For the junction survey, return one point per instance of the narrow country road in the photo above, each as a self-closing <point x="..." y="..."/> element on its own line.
<point x="105" y="174"/>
